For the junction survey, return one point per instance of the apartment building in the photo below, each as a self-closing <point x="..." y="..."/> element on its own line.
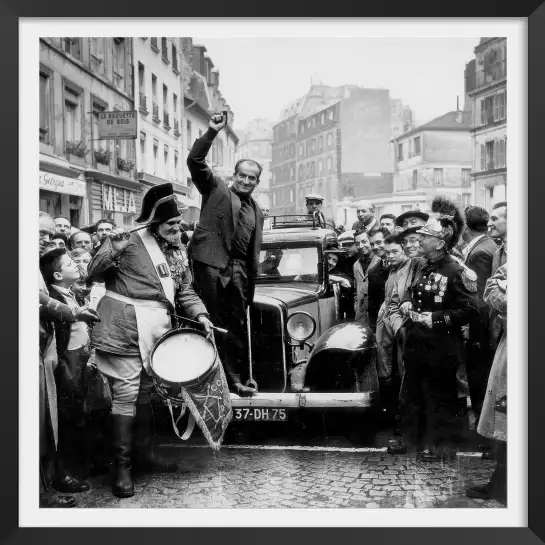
<point x="486" y="80"/>
<point x="82" y="177"/>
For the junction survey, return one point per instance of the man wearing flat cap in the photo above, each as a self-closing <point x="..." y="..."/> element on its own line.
<point x="146" y="276"/>
<point x="478" y="254"/>
<point x="440" y="300"/>
<point x="314" y="203"/>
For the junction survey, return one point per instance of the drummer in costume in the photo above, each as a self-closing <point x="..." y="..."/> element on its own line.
<point x="146" y="276"/>
<point x="440" y="300"/>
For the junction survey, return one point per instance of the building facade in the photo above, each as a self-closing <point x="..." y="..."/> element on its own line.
<point x="202" y="97"/>
<point x="486" y="80"/>
<point x="158" y="72"/>
<point x="82" y="177"/>
<point x="333" y="141"/>
<point x="432" y="159"/>
<point x="256" y="143"/>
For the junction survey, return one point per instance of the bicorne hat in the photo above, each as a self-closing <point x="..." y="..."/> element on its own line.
<point x="159" y="204"/>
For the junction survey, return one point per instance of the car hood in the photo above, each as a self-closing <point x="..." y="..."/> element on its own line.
<point x="289" y="294"/>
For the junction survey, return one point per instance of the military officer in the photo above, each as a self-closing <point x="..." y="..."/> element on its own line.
<point x="439" y="301"/>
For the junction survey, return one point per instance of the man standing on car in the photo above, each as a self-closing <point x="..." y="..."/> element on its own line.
<point x="225" y="250"/>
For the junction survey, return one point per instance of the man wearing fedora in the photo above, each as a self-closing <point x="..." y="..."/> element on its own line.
<point x="412" y="218"/>
<point x="225" y="250"/>
<point x="146" y="276"/>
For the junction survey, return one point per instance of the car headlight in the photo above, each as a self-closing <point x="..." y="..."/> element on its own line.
<point x="301" y="326"/>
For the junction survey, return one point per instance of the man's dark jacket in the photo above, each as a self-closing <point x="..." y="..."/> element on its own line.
<point x="479" y="260"/>
<point x="211" y="240"/>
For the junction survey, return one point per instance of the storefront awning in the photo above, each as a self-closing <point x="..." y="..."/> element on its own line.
<point x="114" y="180"/>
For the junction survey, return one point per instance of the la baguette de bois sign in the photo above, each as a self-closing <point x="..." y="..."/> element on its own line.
<point x="120" y="125"/>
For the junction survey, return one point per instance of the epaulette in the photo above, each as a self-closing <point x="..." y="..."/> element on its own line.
<point x="469" y="276"/>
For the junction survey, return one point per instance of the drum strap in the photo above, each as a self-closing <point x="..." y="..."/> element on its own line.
<point x="190" y="423"/>
<point x="160" y="264"/>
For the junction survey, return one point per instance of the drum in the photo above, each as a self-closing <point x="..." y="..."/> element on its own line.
<point x="182" y="358"/>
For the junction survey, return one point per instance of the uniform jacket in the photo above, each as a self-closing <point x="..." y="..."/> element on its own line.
<point x="493" y="424"/>
<point x="361" y="279"/>
<point x="479" y="259"/>
<point x="131" y="274"/>
<point x="441" y="288"/>
<point x="211" y="240"/>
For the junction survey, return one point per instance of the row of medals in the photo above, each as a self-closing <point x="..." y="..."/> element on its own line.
<point x="441" y="281"/>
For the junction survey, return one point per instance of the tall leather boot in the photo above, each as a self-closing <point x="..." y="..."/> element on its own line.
<point x="145" y="456"/>
<point x="122" y="443"/>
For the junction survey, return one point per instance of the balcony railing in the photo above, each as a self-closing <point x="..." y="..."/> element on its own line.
<point x="143" y="103"/>
<point x="156" y="113"/>
<point x="166" y="120"/>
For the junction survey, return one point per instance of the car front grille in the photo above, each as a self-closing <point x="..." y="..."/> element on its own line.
<point x="268" y="349"/>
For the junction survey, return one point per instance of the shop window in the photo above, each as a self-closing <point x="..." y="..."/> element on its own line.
<point x="45" y="107"/>
<point x="97" y="56"/>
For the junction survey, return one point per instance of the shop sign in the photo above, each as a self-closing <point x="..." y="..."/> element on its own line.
<point x="118" y="200"/>
<point x="117" y="125"/>
<point x="62" y="184"/>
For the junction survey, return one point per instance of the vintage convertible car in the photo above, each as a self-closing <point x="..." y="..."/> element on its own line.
<point x="301" y="355"/>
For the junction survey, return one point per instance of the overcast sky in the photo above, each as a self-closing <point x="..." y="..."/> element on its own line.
<point x="258" y="77"/>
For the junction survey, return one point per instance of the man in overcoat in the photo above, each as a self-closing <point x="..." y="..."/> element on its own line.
<point x="225" y="249"/>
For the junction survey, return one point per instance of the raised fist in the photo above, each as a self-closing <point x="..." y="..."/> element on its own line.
<point x="217" y="122"/>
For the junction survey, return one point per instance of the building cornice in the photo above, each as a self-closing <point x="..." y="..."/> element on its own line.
<point x="487" y="87"/>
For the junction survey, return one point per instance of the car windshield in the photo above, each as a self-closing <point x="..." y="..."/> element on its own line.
<point x="298" y="264"/>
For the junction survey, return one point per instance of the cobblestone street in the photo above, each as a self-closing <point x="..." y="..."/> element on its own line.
<point x="270" y="477"/>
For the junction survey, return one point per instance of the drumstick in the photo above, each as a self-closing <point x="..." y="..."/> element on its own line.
<point x="224" y="331"/>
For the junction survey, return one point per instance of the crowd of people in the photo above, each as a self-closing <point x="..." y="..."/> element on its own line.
<point x="431" y="287"/>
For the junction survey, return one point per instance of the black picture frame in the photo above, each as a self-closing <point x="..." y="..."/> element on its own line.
<point x="10" y="12"/>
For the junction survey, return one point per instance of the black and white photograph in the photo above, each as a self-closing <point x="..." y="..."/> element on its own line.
<point x="273" y="270"/>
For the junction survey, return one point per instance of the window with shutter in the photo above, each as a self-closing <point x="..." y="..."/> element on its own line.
<point x="497" y="156"/>
<point x="496" y="107"/>
<point x="483" y="157"/>
<point x="501" y="156"/>
<point x="483" y="117"/>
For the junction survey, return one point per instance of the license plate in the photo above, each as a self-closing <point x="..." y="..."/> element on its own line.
<point x="255" y="414"/>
